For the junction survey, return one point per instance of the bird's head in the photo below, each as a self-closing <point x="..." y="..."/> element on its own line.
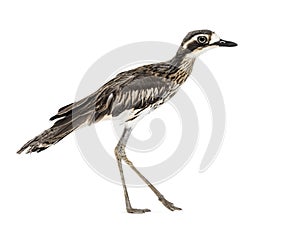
<point x="197" y="42"/>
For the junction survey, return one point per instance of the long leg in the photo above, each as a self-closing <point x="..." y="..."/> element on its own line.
<point x="118" y="152"/>
<point x="161" y="198"/>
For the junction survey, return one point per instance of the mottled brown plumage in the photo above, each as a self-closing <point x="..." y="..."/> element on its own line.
<point x="129" y="96"/>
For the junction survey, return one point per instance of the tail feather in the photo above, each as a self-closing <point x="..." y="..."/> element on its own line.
<point x="44" y="140"/>
<point x="69" y="118"/>
<point x="54" y="134"/>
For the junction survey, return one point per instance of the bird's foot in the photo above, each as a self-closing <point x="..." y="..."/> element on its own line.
<point x="168" y="204"/>
<point x="132" y="210"/>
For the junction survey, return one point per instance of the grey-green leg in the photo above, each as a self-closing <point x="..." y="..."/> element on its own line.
<point x="121" y="155"/>
<point x="118" y="153"/>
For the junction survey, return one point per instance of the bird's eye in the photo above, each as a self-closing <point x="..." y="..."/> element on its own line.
<point x="202" y="39"/>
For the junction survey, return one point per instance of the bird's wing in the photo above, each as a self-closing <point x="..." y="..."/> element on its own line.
<point x="134" y="89"/>
<point x="96" y="105"/>
<point x="140" y="93"/>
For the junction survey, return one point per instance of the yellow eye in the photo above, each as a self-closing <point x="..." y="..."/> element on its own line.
<point x="202" y="39"/>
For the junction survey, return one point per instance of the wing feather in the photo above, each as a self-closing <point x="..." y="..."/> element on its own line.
<point x="140" y="93"/>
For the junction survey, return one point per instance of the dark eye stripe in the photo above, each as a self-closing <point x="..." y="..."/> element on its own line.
<point x="193" y="45"/>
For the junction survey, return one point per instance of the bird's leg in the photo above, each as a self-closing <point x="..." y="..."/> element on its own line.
<point x="161" y="198"/>
<point x="119" y="152"/>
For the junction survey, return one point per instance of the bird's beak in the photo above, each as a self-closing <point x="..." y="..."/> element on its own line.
<point x="225" y="43"/>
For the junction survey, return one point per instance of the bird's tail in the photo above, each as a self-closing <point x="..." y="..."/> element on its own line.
<point x="54" y="134"/>
<point x="69" y="118"/>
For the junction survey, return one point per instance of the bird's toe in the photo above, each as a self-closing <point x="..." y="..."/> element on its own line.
<point x="169" y="205"/>
<point x="138" y="211"/>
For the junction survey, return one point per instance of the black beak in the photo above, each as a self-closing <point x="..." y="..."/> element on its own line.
<point x="225" y="43"/>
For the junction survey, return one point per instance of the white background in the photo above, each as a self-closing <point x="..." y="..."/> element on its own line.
<point x="45" y="50"/>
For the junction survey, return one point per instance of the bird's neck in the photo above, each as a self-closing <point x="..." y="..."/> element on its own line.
<point x="183" y="61"/>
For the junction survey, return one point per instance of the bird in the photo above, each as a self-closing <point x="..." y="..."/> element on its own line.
<point x="128" y="97"/>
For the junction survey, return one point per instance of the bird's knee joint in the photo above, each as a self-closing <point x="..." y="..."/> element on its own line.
<point x="120" y="153"/>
